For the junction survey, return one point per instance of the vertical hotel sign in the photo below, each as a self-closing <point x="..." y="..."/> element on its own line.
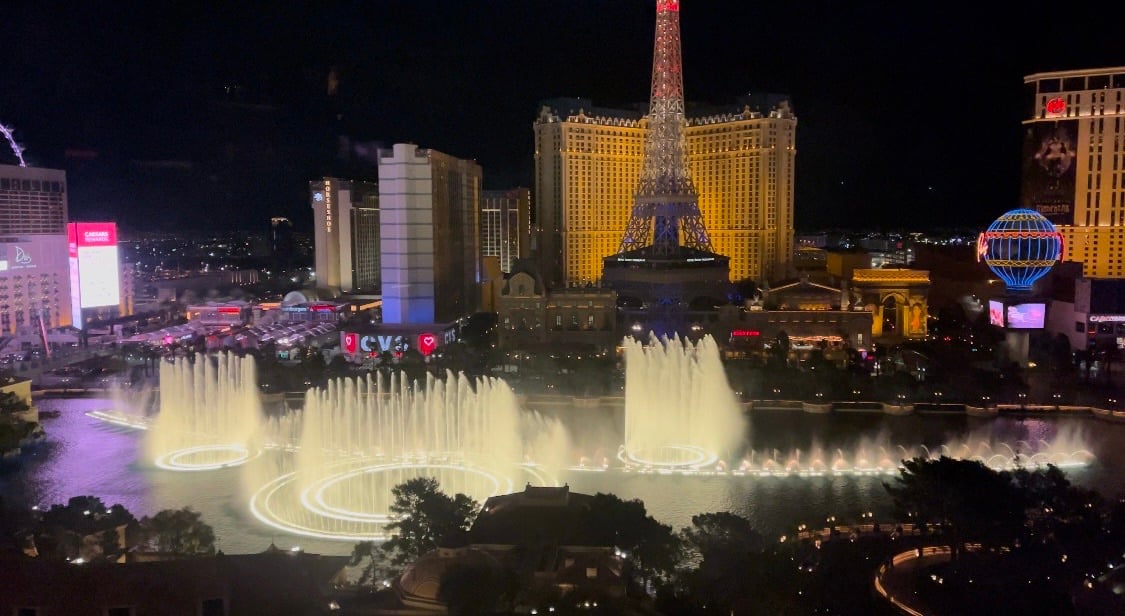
<point x="94" y="267"/>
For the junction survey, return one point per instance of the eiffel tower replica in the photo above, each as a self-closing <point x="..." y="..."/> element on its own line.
<point x="665" y="272"/>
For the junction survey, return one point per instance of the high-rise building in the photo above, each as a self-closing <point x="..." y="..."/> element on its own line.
<point x="32" y="201"/>
<point x="588" y="160"/>
<point x="505" y="225"/>
<point x="1074" y="163"/>
<point x="34" y="272"/>
<point x="346" y="234"/>
<point x="429" y="234"/>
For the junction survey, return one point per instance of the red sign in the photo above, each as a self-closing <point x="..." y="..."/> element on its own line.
<point x="229" y="310"/>
<point x="1056" y="105"/>
<point x="350" y="341"/>
<point x="93" y="233"/>
<point x="427" y="343"/>
<point x="745" y="333"/>
<point x="322" y="307"/>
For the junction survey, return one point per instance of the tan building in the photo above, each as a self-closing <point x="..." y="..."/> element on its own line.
<point x="1074" y="163"/>
<point x="530" y="316"/>
<point x="588" y="161"/>
<point x="345" y="234"/>
<point x="897" y="299"/>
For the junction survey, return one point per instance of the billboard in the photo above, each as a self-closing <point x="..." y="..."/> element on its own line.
<point x="40" y="254"/>
<point x="94" y="267"/>
<point x="1050" y="151"/>
<point x="996" y="313"/>
<point x="1026" y="316"/>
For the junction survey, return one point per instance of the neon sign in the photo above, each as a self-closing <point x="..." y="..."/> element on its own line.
<point x="745" y="333"/>
<point x="427" y="343"/>
<point x="1056" y="105"/>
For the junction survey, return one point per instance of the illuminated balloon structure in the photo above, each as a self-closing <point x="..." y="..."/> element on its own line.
<point x="1020" y="247"/>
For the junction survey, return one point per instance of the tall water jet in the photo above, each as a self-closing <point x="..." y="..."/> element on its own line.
<point x="360" y="437"/>
<point x="679" y="408"/>
<point x="210" y="413"/>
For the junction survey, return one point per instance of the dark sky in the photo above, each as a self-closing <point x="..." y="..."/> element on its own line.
<point x="908" y="112"/>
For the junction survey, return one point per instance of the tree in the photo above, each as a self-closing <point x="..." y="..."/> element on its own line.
<point x="725" y="547"/>
<point x="12" y="403"/>
<point x="971" y="502"/>
<point x="178" y="531"/>
<point x="1058" y="510"/>
<point x="84" y="527"/>
<point x="378" y="565"/>
<point x="425" y="516"/>
<point x="651" y="548"/>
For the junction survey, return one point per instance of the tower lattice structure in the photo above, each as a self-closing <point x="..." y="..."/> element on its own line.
<point x="666" y="203"/>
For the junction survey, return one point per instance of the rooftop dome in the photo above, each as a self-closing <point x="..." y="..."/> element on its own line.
<point x="420" y="583"/>
<point x="294" y="298"/>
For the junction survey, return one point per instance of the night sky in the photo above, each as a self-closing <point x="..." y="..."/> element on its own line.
<point x="203" y="115"/>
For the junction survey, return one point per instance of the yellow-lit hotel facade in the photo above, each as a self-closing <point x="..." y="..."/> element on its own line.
<point x="588" y="161"/>
<point x="1074" y="163"/>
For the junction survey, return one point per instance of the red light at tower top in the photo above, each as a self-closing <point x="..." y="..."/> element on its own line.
<point x="667" y="5"/>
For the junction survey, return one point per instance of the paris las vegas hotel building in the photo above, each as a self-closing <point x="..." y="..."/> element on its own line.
<point x="588" y="161"/>
<point x="1074" y="163"/>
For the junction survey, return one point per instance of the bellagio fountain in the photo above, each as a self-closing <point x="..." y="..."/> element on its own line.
<point x="326" y="468"/>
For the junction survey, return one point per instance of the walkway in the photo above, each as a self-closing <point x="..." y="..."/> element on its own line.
<point x="894" y="582"/>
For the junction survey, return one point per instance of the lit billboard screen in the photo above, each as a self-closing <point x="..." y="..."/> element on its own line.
<point x="1026" y="316"/>
<point x="1050" y="151"/>
<point x="94" y="268"/>
<point x="996" y="313"/>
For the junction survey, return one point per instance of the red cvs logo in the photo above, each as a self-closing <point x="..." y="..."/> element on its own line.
<point x="427" y="343"/>
<point x="350" y="343"/>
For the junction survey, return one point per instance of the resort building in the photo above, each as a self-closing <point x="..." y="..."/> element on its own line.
<point x="345" y="235"/>
<point x="588" y="160"/>
<point x="1074" y="163"/>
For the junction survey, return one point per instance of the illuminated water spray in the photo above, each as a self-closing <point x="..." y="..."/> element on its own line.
<point x="358" y="438"/>
<point x="210" y="413"/>
<point x="16" y="149"/>
<point x="679" y="409"/>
